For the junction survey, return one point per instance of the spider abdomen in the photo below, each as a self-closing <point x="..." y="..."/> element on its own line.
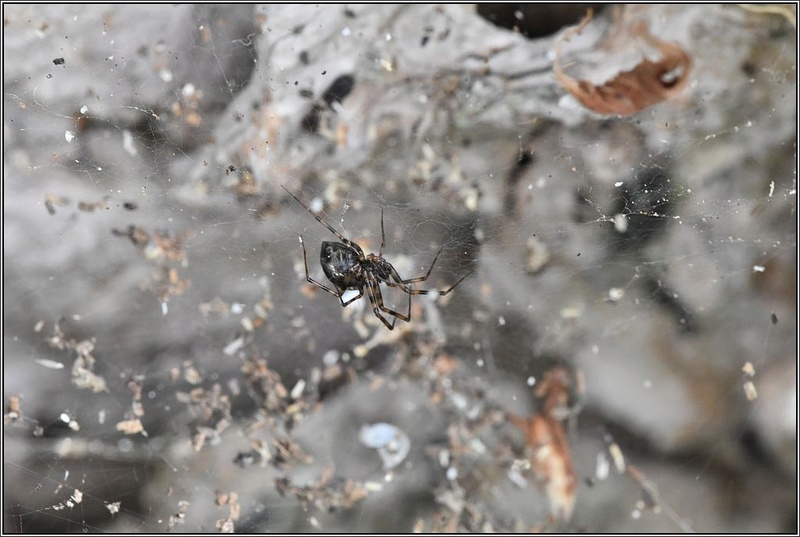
<point x="340" y="264"/>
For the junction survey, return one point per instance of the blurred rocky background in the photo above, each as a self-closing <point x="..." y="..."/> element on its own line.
<point x="622" y="357"/>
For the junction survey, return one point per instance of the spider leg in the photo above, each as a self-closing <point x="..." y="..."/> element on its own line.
<point x="423" y="278"/>
<point x="399" y="283"/>
<point x="383" y="236"/>
<point x="440" y="293"/>
<point x="309" y="279"/>
<point x="376" y="300"/>
<point x="384" y="308"/>
<point x="403" y="284"/>
<point x="341" y="237"/>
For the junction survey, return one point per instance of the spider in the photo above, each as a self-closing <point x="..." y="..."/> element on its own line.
<point x="347" y="267"/>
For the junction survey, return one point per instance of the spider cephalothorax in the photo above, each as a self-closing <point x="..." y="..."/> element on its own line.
<point x="347" y="267"/>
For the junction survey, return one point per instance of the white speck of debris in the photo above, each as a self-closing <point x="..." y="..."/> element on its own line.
<point x="188" y="90"/>
<point x="101" y="417"/>
<point x="570" y="312"/>
<point x="330" y="357"/>
<point x="567" y="102"/>
<point x="516" y="477"/>
<point x="50" y="364"/>
<point x="636" y="514"/>
<point x="69" y="136"/>
<point x="113" y="508"/>
<point x="391" y="442"/>
<point x="346" y="31"/>
<point x="620" y="223"/>
<point x="236" y="308"/>
<point x="618" y="184"/>
<point x="748" y="369"/>
<point x="618" y="457"/>
<point x="459" y="400"/>
<point x="477" y="446"/>
<point x="479" y="362"/>
<point x="750" y="391"/>
<point x="65" y="417"/>
<point x="77" y="496"/>
<point x="360" y="351"/>
<point x="471" y="199"/>
<point x="373" y="486"/>
<point x="602" y="467"/>
<point x="312" y="520"/>
<point x="616" y="293"/>
<point x="231" y="348"/>
<point x="127" y="143"/>
<point x="531" y="381"/>
<point x="771" y="188"/>
<point x="501" y="321"/>
<point x="538" y="255"/>
<point x="297" y="391"/>
<point x="388" y="37"/>
<point x="452" y="473"/>
<point x="164" y="308"/>
<point x="519" y="15"/>
<point x="166" y="75"/>
<point x="233" y="387"/>
<point x="759" y="268"/>
<point x="316" y="205"/>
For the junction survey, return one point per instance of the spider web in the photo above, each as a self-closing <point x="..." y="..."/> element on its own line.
<point x="150" y="255"/>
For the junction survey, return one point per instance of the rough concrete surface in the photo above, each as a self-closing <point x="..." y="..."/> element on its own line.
<point x="166" y="365"/>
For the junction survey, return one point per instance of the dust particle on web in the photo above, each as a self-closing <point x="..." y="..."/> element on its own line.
<point x="133" y="426"/>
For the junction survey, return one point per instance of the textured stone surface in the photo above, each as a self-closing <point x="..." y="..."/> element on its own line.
<point x="196" y="115"/>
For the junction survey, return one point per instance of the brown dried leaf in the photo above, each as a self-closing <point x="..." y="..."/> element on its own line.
<point x="551" y="461"/>
<point x="631" y="91"/>
<point x="548" y="448"/>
